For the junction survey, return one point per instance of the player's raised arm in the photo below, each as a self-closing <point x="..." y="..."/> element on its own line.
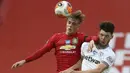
<point x="46" y="48"/>
<point x="106" y="62"/>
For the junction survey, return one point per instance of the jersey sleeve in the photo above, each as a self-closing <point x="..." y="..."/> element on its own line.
<point x="109" y="59"/>
<point x="84" y="48"/>
<point x="46" y="48"/>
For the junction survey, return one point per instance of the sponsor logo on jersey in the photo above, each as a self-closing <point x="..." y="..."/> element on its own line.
<point x="90" y="59"/>
<point x="68" y="47"/>
<point x="69" y="52"/>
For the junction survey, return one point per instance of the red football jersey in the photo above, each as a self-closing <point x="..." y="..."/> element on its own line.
<point x="67" y="49"/>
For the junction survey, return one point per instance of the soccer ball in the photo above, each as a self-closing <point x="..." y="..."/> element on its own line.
<point x="63" y="9"/>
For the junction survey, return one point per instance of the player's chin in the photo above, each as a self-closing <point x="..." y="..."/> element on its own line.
<point x="104" y="44"/>
<point x="69" y="31"/>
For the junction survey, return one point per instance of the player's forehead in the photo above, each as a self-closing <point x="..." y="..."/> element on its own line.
<point x="73" y="20"/>
<point x="105" y="33"/>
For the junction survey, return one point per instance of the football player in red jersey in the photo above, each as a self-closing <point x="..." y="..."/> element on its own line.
<point x="67" y="44"/>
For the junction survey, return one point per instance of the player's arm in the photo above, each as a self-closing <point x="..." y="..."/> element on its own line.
<point x="106" y="62"/>
<point x="93" y="40"/>
<point x="46" y="48"/>
<point x="101" y="67"/>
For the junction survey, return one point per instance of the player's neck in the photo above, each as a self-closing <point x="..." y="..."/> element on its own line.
<point x="100" y="46"/>
<point x="69" y="34"/>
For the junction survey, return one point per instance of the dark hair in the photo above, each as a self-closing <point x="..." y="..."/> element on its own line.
<point x="77" y="15"/>
<point x="107" y="26"/>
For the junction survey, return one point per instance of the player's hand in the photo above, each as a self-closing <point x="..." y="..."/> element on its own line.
<point x="18" y="64"/>
<point x="91" y="45"/>
<point x="67" y="71"/>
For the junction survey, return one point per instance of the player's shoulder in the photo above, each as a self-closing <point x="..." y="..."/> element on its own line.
<point x="84" y="45"/>
<point x="80" y="33"/>
<point x="59" y="34"/>
<point x="109" y="52"/>
<point x="56" y="35"/>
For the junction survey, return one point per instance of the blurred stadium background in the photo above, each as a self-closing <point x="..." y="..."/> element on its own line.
<point x="27" y="24"/>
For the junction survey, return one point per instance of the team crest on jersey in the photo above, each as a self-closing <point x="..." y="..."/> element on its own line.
<point x="94" y="52"/>
<point x="101" y="53"/>
<point x="68" y="47"/>
<point x="75" y="41"/>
